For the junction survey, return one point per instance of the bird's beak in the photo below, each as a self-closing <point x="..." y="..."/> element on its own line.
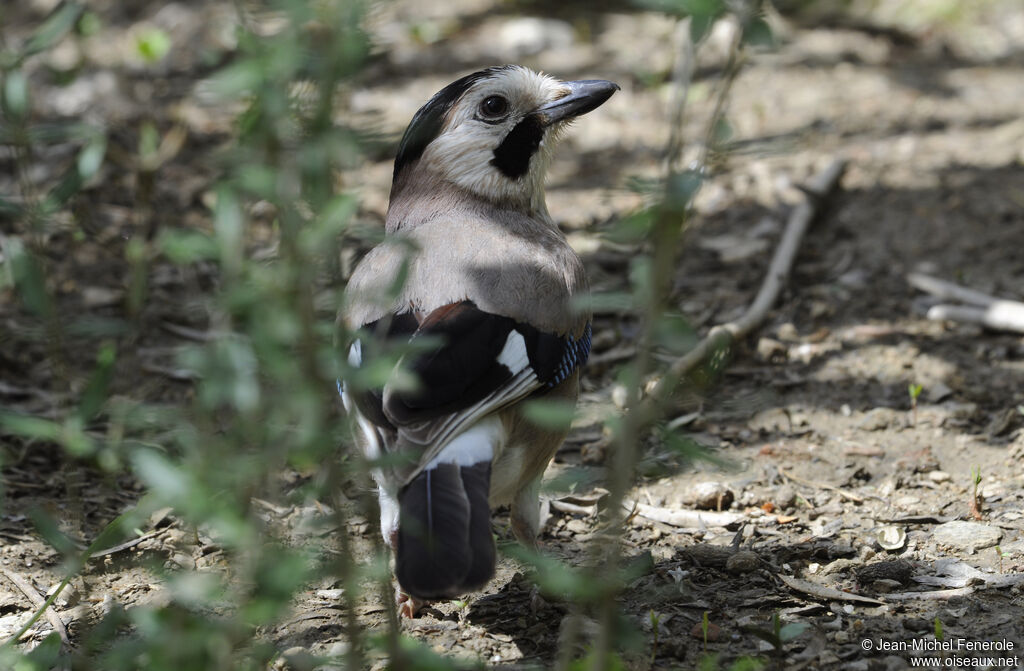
<point x="584" y="96"/>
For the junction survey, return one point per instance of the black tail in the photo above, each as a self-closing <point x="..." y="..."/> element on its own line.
<point x="445" y="546"/>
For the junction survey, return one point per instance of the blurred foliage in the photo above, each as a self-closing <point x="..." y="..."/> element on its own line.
<point x="265" y="377"/>
<point x="265" y="380"/>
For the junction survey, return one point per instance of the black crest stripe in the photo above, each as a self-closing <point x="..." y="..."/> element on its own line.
<point x="426" y="124"/>
<point x="512" y="157"/>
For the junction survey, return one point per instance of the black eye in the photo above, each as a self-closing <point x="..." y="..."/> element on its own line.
<point x="494" y="107"/>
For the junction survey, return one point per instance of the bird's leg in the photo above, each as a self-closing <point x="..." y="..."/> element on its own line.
<point x="526" y="514"/>
<point x="408" y="605"/>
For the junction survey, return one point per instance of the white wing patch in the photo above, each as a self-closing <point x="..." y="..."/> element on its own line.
<point x="355" y="354"/>
<point x="513" y="356"/>
<point x="475" y="445"/>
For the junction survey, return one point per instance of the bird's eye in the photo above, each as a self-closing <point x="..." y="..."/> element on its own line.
<point x="493" y="107"/>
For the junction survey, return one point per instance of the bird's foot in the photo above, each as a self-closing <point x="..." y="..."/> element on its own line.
<point x="408" y="605"/>
<point x="525" y="533"/>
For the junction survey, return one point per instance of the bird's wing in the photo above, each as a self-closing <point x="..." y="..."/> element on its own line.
<point x="483" y="362"/>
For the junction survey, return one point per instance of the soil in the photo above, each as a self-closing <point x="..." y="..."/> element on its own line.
<point x="823" y="456"/>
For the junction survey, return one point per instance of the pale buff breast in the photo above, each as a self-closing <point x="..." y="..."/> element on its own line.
<point x="506" y="267"/>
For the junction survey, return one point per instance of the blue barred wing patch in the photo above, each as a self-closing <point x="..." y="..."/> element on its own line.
<point x="575" y="355"/>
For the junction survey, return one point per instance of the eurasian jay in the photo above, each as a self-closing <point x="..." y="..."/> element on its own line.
<point x="489" y="290"/>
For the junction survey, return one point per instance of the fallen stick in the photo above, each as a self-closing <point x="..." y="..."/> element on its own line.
<point x="821" y="485"/>
<point x="719" y="337"/>
<point x="1000" y="315"/>
<point x="686" y="518"/>
<point x="38" y="602"/>
<point x="825" y="593"/>
<point x="948" y="291"/>
<point x="980" y="308"/>
<point x="127" y="545"/>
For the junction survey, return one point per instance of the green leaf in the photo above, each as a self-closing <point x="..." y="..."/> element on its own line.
<point x="547" y="413"/>
<point x="592" y="660"/>
<point x="9" y="209"/>
<point x="50" y="133"/>
<point x="635" y="227"/>
<point x="48" y="528"/>
<point x="16" y="94"/>
<point x="722" y="132"/>
<point x="91" y="157"/>
<point x="53" y="29"/>
<point x="29" y="278"/>
<point x="187" y="246"/>
<point x="89" y="24"/>
<point x="95" y="394"/>
<point x="229" y="225"/>
<point x="167" y="480"/>
<point x="553" y="576"/>
<point x="681" y="188"/>
<point x="700" y="26"/>
<point x="791" y="631"/>
<point x="747" y="664"/>
<point x="153" y="44"/>
<point x="30" y="427"/>
<point x="42" y="657"/>
<point x="238" y="79"/>
<point x="609" y="301"/>
<point x="674" y="333"/>
<point x="149" y="143"/>
<point x="758" y="33"/>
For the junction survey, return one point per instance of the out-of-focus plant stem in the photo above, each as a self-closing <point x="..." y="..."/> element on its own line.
<point x="666" y="233"/>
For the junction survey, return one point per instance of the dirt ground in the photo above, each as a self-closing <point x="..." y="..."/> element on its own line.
<point x="823" y="456"/>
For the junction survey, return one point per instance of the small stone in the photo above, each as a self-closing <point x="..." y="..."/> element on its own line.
<point x="938" y="476"/>
<point x="878" y="419"/>
<point x="787" y="333"/>
<point x="937" y="392"/>
<point x="577" y="526"/>
<point x="184" y="561"/>
<point x="742" y="562"/>
<point x="714" y="632"/>
<point x="896" y="569"/>
<point x="619" y="396"/>
<point x="299" y="659"/>
<point x="885" y="586"/>
<point x="527" y="36"/>
<point x="771" y="350"/>
<point x="918" y="625"/>
<point x="712" y="496"/>
<point x="1002" y="422"/>
<point x="968" y="536"/>
<point x="330" y="594"/>
<point x="785" y="497"/>
<point x="593" y="454"/>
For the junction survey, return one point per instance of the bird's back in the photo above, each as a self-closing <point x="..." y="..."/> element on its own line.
<point x="507" y="262"/>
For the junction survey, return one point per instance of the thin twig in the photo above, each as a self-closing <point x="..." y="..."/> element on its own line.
<point x="39" y="604"/>
<point x="661" y="387"/>
<point x="820" y="485"/>
<point x="1000" y="315"/>
<point x="127" y="545"/>
<point x="948" y="291"/>
<point x="980" y="308"/>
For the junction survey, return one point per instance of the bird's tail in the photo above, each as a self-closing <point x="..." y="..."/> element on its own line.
<point x="445" y="545"/>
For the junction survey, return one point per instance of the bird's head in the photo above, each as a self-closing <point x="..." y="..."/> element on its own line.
<point x="491" y="133"/>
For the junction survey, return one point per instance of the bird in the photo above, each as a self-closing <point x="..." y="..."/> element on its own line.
<point x="478" y="284"/>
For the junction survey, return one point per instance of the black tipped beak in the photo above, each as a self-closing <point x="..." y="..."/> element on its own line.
<point x="584" y="96"/>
